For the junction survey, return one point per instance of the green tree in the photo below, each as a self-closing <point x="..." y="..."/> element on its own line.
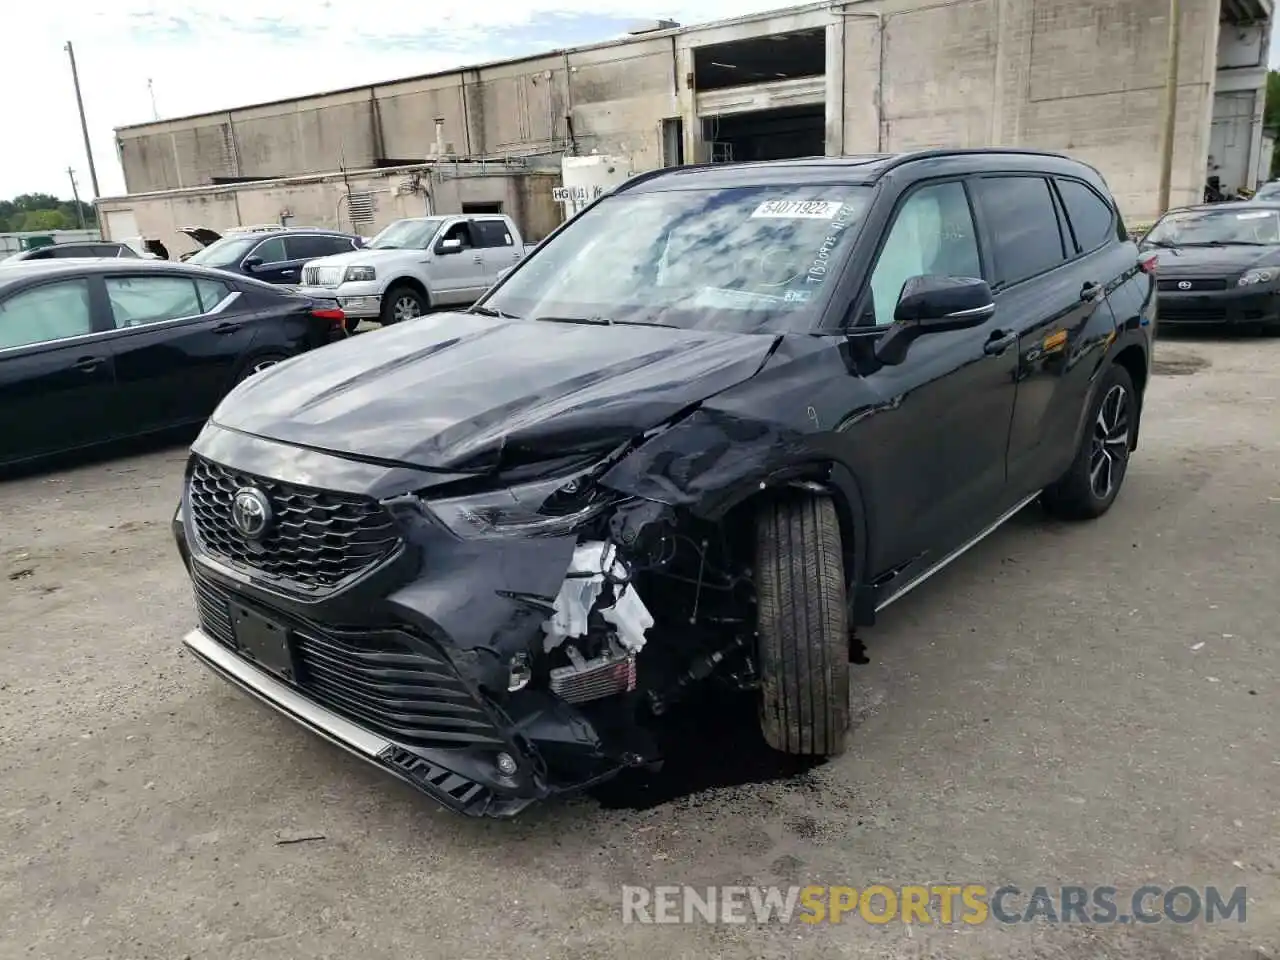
<point x="44" y="212"/>
<point x="45" y="220"/>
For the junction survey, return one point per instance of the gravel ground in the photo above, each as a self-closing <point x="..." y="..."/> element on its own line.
<point x="1068" y="704"/>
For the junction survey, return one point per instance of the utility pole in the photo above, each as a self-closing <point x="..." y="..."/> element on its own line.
<point x="75" y="195"/>
<point x="152" y="90"/>
<point x="1170" y="104"/>
<point x="84" y="125"/>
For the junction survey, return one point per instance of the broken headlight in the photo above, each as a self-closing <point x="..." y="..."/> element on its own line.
<point x="542" y="508"/>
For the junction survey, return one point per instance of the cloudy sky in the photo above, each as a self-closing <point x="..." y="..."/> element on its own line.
<point x="200" y="55"/>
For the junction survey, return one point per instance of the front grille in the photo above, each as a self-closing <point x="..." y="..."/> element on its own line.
<point x="315" y="541"/>
<point x="322" y="276"/>
<point x="1192" y="314"/>
<point x="1197" y="284"/>
<point x="383" y="680"/>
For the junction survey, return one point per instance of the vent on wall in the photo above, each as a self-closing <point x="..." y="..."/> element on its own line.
<point x="360" y="207"/>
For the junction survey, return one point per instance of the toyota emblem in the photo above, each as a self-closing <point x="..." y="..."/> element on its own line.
<point x="1184" y="284"/>
<point x="250" y="512"/>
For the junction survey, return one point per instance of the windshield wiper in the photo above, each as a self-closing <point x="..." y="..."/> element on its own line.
<point x="493" y="312"/>
<point x="1226" y="243"/>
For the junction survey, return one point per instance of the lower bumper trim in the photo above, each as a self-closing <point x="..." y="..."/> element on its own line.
<point x="448" y="788"/>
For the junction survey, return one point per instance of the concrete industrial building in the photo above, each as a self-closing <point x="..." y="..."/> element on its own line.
<point x="1086" y="77"/>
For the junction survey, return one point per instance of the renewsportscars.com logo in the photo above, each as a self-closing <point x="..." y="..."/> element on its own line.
<point x="967" y="903"/>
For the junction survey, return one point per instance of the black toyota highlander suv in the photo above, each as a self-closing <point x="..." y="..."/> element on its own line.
<point x="486" y="549"/>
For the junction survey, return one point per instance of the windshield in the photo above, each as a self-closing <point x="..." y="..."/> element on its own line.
<point x="735" y="258"/>
<point x="1268" y="191"/>
<point x="225" y="252"/>
<point x="1235" y="225"/>
<point x="407" y="235"/>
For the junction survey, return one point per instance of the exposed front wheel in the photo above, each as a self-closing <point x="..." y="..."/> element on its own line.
<point x="401" y="303"/>
<point x="1093" y="480"/>
<point x="802" y="623"/>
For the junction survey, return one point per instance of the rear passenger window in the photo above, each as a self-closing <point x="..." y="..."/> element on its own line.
<point x="137" y="301"/>
<point x="314" y="247"/>
<point x="492" y="233"/>
<point x="1090" y="215"/>
<point x="1023" y="224"/>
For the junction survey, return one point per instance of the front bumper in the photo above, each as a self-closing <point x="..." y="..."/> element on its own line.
<point x="1234" y="305"/>
<point x="450" y="789"/>
<point x="420" y="690"/>
<point x="358" y="300"/>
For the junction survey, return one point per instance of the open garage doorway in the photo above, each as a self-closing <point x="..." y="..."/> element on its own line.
<point x="778" y="134"/>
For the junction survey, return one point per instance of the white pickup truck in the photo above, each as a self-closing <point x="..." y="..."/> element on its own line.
<point x="416" y="264"/>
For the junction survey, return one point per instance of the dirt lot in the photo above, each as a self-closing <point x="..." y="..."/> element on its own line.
<point x="1092" y="704"/>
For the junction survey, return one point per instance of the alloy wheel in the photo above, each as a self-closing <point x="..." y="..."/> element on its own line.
<point x="1109" y="449"/>
<point x="405" y="308"/>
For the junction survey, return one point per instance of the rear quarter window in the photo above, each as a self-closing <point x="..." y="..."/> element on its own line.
<point x="1092" y="219"/>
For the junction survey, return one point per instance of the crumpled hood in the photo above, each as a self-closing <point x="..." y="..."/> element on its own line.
<point x="463" y="392"/>
<point x="1213" y="261"/>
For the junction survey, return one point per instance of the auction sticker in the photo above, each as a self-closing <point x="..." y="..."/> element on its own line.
<point x="798" y="209"/>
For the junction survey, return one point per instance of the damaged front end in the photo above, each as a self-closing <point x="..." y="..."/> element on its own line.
<point x="492" y="639"/>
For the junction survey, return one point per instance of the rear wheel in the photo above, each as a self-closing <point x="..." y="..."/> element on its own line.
<point x="1093" y="480"/>
<point x="260" y="363"/>
<point x="402" y="302"/>
<point x="802" y="623"/>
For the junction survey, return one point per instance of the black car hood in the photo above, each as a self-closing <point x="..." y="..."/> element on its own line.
<point x="467" y="393"/>
<point x="1214" y="261"/>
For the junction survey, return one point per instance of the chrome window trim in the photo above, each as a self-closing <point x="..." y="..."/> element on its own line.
<point x="219" y="307"/>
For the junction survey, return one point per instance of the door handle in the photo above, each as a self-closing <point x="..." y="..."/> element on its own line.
<point x="224" y="328"/>
<point x="1091" y="291"/>
<point x="88" y="364"/>
<point x="999" y="342"/>
<point x="479" y="259"/>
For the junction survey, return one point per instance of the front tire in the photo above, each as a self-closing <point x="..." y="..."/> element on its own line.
<point x="402" y="302"/>
<point x="802" y="624"/>
<point x="1092" y="482"/>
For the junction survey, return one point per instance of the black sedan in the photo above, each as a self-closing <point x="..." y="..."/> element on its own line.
<point x="1219" y="264"/>
<point x="93" y="351"/>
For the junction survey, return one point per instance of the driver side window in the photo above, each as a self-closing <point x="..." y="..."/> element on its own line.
<point x="932" y="234"/>
<point x="460" y="232"/>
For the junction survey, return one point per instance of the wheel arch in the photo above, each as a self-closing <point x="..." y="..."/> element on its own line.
<point x="1134" y="360"/>
<point x="408" y="280"/>
<point x="835" y="480"/>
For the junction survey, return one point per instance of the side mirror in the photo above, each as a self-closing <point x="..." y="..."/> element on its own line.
<point x="930" y="304"/>
<point x="252" y="263"/>
<point x="451" y="245"/>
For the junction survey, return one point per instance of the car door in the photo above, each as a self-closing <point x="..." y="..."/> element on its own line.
<point x="498" y="247"/>
<point x="57" y="380"/>
<point x="1049" y="294"/>
<point x="269" y="262"/>
<point x="457" y="271"/>
<point x="179" y="339"/>
<point x="934" y="447"/>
